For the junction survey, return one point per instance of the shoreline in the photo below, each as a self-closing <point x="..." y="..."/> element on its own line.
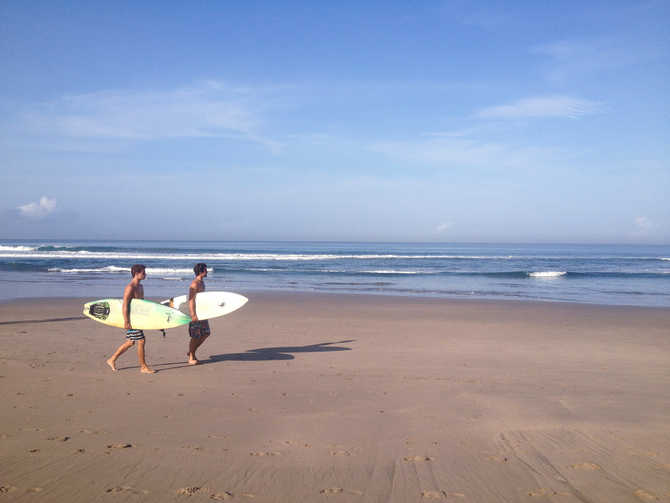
<point x="289" y="294"/>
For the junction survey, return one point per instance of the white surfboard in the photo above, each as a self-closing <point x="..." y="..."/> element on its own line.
<point x="209" y="305"/>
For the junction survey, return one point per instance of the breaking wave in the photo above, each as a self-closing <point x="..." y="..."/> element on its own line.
<point x="547" y="274"/>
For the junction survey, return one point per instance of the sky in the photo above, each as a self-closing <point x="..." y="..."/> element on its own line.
<point x="431" y="121"/>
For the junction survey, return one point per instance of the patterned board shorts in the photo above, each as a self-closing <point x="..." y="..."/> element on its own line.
<point x="197" y="329"/>
<point x="134" y="335"/>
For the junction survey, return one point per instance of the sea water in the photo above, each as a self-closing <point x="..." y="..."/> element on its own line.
<point x="601" y="274"/>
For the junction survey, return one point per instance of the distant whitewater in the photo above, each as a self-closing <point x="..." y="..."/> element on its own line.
<point x="605" y="274"/>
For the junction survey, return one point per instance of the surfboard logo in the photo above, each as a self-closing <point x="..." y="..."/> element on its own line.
<point x="100" y="310"/>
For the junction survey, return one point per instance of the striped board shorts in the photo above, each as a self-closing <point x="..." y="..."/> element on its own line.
<point x="134" y="335"/>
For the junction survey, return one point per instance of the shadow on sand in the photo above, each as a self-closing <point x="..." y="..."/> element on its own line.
<point x="262" y="354"/>
<point x="49" y="320"/>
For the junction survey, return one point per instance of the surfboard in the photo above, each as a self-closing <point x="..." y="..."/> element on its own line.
<point x="209" y="305"/>
<point x="144" y="314"/>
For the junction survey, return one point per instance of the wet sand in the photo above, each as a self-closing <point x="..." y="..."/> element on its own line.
<point x="333" y="398"/>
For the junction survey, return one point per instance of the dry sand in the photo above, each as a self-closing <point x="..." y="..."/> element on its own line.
<point x="328" y="398"/>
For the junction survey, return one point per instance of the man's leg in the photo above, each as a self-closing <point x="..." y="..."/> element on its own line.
<point x="140" y="356"/>
<point x="122" y="349"/>
<point x="194" y="344"/>
<point x="199" y="331"/>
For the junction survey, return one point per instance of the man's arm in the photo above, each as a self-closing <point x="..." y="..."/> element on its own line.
<point x="127" y="297"/>
<point x="192" y="291"/>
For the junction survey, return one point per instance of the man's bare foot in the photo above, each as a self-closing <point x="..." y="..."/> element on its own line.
<point x="193" y="361"/>
<point x="112" y="364"/>
<point x="147" y="370"/>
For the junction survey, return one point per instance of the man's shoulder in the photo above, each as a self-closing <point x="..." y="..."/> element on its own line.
<point x="133" y="289"/>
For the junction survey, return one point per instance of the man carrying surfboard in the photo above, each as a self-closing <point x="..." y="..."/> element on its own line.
<point x="198" y="330"/>
<point x="134" y="290"/>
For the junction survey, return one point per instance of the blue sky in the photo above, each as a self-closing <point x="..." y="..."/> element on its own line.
<point x="378" y="121"/>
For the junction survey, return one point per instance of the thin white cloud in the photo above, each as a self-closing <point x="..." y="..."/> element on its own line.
<point x="39" y="209"/>
<point x="458" y="152"/>
<point x="643" y="226"/>
<point x="443" y="227"/>
<point x="572" y="59"/>
<point x="211" y="109"/>
<point x="542" y="106"/>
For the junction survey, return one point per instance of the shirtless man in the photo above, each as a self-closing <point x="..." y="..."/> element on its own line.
<point x="134" y="290"/>
<point x="198" y="330"/>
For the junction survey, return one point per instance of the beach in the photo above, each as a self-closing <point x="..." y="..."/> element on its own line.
<point x="341" y="398"/>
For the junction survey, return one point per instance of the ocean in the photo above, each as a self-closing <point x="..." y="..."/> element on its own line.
<point x="633" y="275"/>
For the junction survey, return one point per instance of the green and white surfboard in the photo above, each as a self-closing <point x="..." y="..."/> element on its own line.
<point x="144" y="314"/>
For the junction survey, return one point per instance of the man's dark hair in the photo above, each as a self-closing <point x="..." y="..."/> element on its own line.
<point x="136" y="269"/>
<point x="199" y="268"/>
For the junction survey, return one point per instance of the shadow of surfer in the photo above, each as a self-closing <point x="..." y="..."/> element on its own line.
<point x="266" y="354"/>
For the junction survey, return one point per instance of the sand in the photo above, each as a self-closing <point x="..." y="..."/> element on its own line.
<point x="330" y="398"/>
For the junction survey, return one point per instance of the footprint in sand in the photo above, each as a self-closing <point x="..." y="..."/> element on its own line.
<point x="261" y="454"/>
<point x="410" y="459"/>
<point x="585" y="466"/>
<point x="643" y="495"/>
<point x="225" y="495"/>
<point x="188" y="491"/>
<point x="434" y="495"/>
<point x="332" y="490"/>
<point x="7" y="489"/>
<point x="62" y="439"/>
<point x="546" y="492"/>
<point x="340" y="453"/>
<point x="35" y="490"/>
<point x="498" y="459"/>
<point x="34" y="451"/>
<point x="122" y="445"/>
<point x="340" y="490"/>
<point x="126" y="489"/>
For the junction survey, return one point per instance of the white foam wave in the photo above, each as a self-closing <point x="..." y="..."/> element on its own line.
<point x="115" y="269"/>
<point x="390" y="271"/>
<point x="547" y="274"/>
<point x="83" y="254"/>
<point x="109" y="268"/>
<point x="4" y="248"/>
<point x="31" y="252"/>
